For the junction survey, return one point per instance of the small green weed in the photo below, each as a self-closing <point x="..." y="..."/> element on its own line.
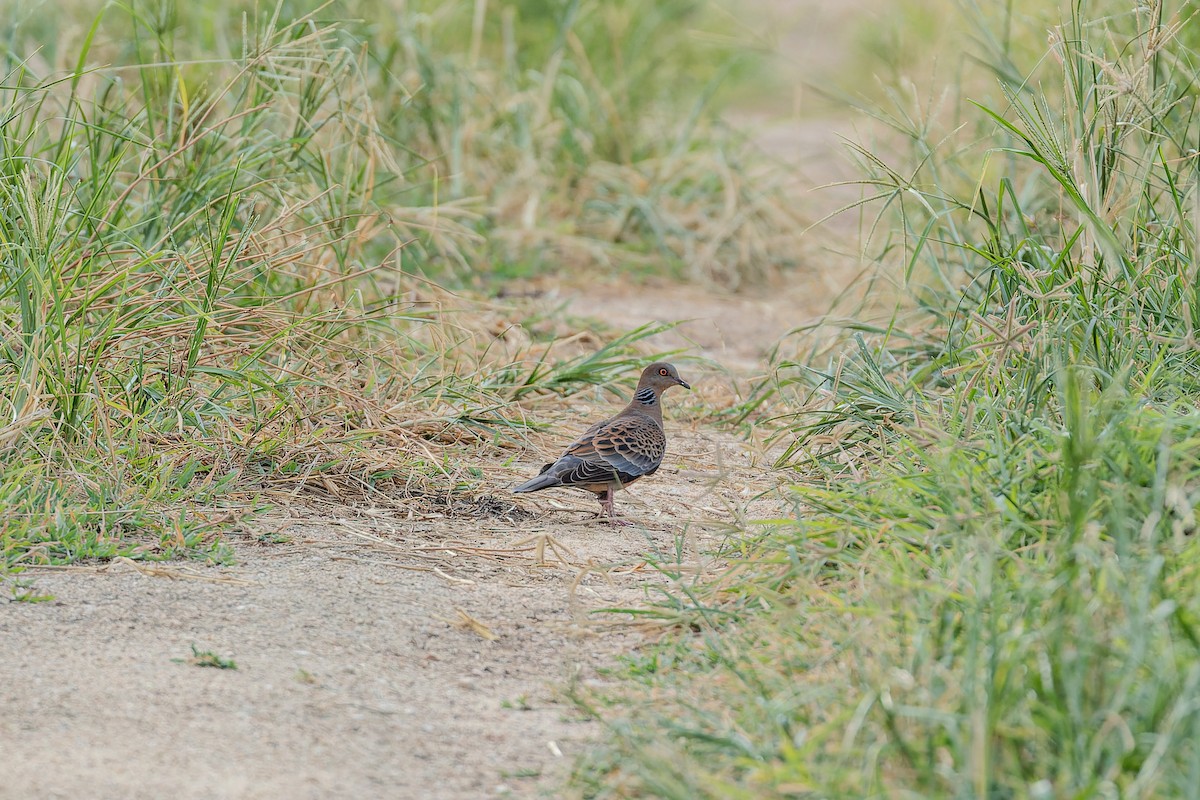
<point x="207" y="658"/>
<point x="23" y="590"/>
<point x="519" y="703"/>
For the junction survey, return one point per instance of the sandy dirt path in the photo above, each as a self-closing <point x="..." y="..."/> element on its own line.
<point x="359" y="672"/>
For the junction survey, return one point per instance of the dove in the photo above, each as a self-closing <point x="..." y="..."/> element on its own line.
<point x="614" y="453"/>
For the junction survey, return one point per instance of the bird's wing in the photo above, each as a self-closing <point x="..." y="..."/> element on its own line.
<point x="628" y="444"/>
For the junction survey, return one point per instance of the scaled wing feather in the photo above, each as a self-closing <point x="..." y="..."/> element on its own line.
<point x="630" y="446"/>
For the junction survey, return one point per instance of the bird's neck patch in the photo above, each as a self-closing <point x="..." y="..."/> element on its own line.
<point x="646" y="396"/>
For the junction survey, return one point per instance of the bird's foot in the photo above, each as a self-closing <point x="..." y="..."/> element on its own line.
<point x="607" y="510"/>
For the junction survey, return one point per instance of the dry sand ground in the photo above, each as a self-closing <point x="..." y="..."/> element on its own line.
<point x="357" y="675"/>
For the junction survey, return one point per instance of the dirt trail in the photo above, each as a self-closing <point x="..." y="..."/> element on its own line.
<point x="357" y="675"/>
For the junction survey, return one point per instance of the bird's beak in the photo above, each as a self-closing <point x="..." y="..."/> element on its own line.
<point x="684" y="383"/>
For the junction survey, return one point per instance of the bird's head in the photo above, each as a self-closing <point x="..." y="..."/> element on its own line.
<point x="661" y="376"/>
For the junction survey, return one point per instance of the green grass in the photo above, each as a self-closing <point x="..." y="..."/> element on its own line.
<point x="207" y="658"/>
<point x="988" y="588"/>
<point x="66" y="508"/>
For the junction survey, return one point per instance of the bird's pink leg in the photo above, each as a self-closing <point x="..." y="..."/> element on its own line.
<point x="606" y="503"/>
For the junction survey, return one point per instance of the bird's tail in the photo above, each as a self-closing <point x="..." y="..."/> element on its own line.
<point x="544" y="480"/>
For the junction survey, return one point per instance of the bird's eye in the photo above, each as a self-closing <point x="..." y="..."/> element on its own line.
<point x="662" y="372"/>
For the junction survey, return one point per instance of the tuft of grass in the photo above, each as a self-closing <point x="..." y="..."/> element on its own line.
<point x="614" y="366"/>
<point x="988" y="585"/>
<point x="207" y="658"/>
<point x="25" y="591"/>
<point x="61" y="510"/>
<point x="164" y="283"/>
